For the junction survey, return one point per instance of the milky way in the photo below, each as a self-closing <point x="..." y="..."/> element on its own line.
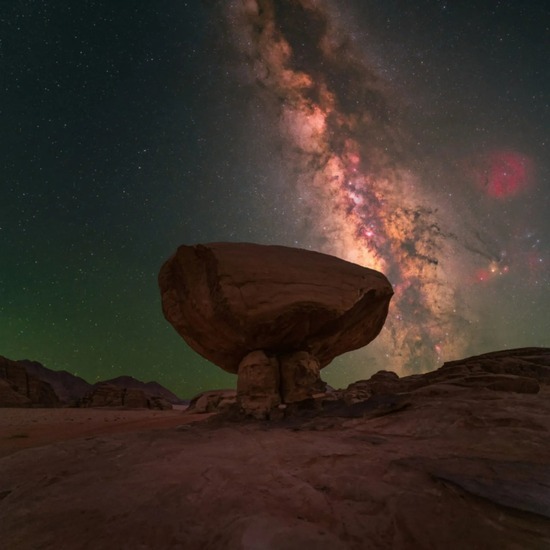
<point x="411" y="137"/>
<point x="349" y="161"/>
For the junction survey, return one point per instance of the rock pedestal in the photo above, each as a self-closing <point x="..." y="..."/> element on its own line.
<point x="300" y="377"/>
<point x="266" y="382"/>
<point x="258" y="384"/>
<point x="230" y="301"/>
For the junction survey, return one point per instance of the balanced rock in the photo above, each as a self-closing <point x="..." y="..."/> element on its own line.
<point x="266" y="312"/>
<point x="229" y="299"/>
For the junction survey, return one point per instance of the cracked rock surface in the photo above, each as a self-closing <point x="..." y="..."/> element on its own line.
<point x="424" y="462"/>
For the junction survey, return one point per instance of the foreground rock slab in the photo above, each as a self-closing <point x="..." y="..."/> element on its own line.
<point x="442" y="465"/>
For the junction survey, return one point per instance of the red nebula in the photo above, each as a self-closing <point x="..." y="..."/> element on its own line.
<point x="505" y="174"/>
<point x="483" y="275"/>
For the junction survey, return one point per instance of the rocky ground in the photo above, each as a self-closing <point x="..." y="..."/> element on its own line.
<point x="456" y="459"/>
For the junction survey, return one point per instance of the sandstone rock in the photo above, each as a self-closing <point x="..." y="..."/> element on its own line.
<point x="159" y="403"/>
<point x="135" y="399"/>
<point x="258" y="384"/>
<point x="110" y="395"/>
<point x="69" y="388"/>
<point x="229" y="299"/>
<point x="274" y="315"/>
<point x="300" y="377"/>
<point x="104" y="395"/>
<point x="380" y="383"/>
<point x="466" y="469"/>
<point x="517" y="371"/>
<point x="34" y="392"/>
<point x="212" y="401"/>
<point x="11" y="398"/>
<point x="496" y="382"/>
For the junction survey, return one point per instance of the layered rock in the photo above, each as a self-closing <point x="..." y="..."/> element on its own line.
<point x="111" y="395"/>
<point x="68" y="387"/>
<point x="300" y="375"/>
<point x="21" y="389"/>
<point x="9" y="397"/>
<point x="213" y="401"/>
<point x="150" y="389"/>
<point x="258" y="384"/>
<point x="517" y="371"/>
<point x="300" y="309"/>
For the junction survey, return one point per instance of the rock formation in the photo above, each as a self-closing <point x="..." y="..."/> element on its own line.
<point x="213" y="401"/>
<point x="517" y="371"/>
<point x="30" y="384"/>
<point x="20" y="389"/>
<point x="150" y="389"/>
<point x="274" y="315"/>
<point x="69" y="388"/>
<point x="111" y="395"/>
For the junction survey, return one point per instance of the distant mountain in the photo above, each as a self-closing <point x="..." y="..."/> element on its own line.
<point x="67" y="386"/>
<point x="19" y="388"/>
<point x="151" y="388"/>
<point x="71" y="389"/>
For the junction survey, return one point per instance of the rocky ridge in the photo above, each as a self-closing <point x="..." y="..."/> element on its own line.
<point x="30" y="384"/>
<point x="521" y="370"/>
<point x="68" y="387"/>
<point x="20" y="389"/>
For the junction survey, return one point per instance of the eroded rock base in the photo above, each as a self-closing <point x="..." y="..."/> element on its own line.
<point x="267" y="383"/>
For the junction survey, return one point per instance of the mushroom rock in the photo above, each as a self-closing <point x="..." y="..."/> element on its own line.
<point x="301" y="309"/>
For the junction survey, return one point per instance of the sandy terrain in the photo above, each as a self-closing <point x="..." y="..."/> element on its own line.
<point x="25" y="428"/>
<point x="458" y="468"/>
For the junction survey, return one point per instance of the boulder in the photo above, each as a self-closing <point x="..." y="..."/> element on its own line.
<point x="135" y="399"/>
<point x="150" y="389"/>
<point x="104" y="395"/>
<point x="159" y="403"/>
<point x="274" y="315"/>
<point x="212" y="401"/>
<point x="227" y="300"/>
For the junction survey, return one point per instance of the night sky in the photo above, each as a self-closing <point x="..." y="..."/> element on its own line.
<point x="411" y="137"/>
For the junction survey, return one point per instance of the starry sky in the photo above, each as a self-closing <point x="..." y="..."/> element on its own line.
<point x="410" y="137"/>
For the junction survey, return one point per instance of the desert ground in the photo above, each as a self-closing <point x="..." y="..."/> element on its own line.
<point x="23" y="428"/>
<point x="455" y="468"/>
